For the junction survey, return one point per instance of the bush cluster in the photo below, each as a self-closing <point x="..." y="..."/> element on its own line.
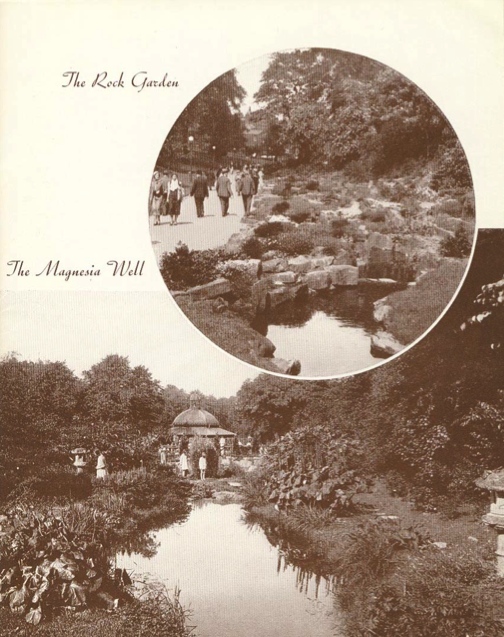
<point x="458" y="245"/>
<point x="184" y="268"/>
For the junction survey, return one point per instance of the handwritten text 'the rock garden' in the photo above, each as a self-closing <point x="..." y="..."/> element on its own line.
<point x="104" y="80"/>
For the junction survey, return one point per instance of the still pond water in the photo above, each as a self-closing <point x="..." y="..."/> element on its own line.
<point x="330" y="333"/>
<point x="234" y="581"/>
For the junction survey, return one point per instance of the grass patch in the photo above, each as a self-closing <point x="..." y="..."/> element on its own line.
<point x="415" y="309"/>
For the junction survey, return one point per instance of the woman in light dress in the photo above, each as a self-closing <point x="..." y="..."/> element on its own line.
<point x="184" y="467"/>
<point x="174" y="198"/>
<point x="202" y="466"/>
<point x="156" y="198"/>
<point x="101" y="466"/>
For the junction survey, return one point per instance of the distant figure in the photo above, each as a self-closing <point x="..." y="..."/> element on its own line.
<point x="255" y="179"/>
<point x="238" y="179"/>
<point x="260" y="186"/>
<point x="162" y="455"/>
<point x="222" y="444"/>
<point x="156" y="196"/>
<point x="184" y="467"/>
<point x="174" y="198"/>
<point x="223" y="188"/>
<point x="101" y="466"/>
<point x="202" y="466"/>
<point x="247" y="191"/>
<point x="199" y="190"/>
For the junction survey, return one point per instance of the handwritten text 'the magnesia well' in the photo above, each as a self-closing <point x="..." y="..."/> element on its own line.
<point x="103" y="80"/>
<point x="17" y="268"/>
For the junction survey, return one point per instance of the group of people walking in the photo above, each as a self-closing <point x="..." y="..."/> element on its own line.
<point x="165" y="196"/>
<point x="166" y="192"/>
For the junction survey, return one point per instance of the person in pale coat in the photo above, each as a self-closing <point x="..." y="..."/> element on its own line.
<point x="184" y="467"/>
<point x="101" y="466"/>
<point x="202" y="466"/>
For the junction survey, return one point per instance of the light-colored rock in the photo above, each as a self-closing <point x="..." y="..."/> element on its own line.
<point x="389" y="281"/>
<point x="279" y="295"/>
<point x="322" y="262"/>
<point x="265" y="348"/>
<point x="380" y="241"/>
<point x="384" y="345"/>
<point x="300" y="264"/>
<point x="212" y="290"/>
<point x="381" y="310"/>
<point x="274" y="265"/>
<point x="284" y="277"/>
<point x="259" y="295"/>
<point x="318" y="280"/>
<point x="343" y="274"/>
<point x="291" y="367"/>
<point x="329" y="215"/>
<point x="236" y="241"/>
<point x="252" y="267"/>
<point x="440" y="545"/>
<point x="278" y="219"/>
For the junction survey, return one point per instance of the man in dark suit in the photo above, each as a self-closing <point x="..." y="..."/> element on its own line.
<point x="199" y="190"/>
<point x="247" y="190"/>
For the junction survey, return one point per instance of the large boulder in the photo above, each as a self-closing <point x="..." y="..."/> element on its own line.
<point x="260" y="295"/>
<point x="346" y="275"/>
<point x="322" y="262"/>
<point x="212" y="290"/>
<point x="384" y="345"/>
<point x="284" y="277"/>
<point x="381" y="310"/>
<point x="236" y="241"/>
<point x="291" y="367"/>
<point x="274" y="265"/>
<point x="318" y="280"/>
<point x="251" y="267"/>
<point x="300" y="264"/>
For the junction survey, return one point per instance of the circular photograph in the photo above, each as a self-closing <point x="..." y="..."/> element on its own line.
<point x="312" y="212"/>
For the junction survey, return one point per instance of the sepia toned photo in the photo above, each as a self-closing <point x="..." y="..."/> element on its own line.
<point x="312" y="212"/>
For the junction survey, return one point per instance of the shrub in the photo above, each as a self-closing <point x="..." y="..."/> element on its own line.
<point x="281" y="207"/>
<point x="442" y="596"/>
<point x="458" y="245"/>
<point x="312" y="184"/>
<point x="269" y="229"/>
<point x="300" y="216"/>
<point x="46" y="565"/>
<point x="375" y="216"/>
<point x="186" y="268"/>
<point x="294" y="243"/>
<point x="253" y="248"/>
<point x="311" y="467"/>
<point x="53" y="482"/>
<point x="339" y="227"/>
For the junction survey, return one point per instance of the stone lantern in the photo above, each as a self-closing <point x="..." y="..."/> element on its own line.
<point x="79" y="459"/>
<point x="493" y="481"/>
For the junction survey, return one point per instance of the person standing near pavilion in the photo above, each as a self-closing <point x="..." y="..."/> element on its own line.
<point x="184" y="467"/>
<point x="202" y="465"/>
<point x="199" y="190"/>
<point x="224" y="192"/>
<point x="247" y="191"/>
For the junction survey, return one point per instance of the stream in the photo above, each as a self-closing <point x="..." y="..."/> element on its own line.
<point x="234" y="581"/>
<point x="329" y="332"/>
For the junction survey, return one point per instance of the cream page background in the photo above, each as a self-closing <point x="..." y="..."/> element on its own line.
<point x="76" y="163"/>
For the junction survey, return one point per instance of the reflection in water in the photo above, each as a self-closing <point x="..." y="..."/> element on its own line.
<point x="235" y="582"/>
<point x="330" y="333"/>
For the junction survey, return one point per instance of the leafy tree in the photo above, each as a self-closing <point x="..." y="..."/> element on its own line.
<point x="116" y="394"/>
<point x="212" y="118"/>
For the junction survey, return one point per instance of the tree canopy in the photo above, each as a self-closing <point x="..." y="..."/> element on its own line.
<point x="212" y="118"/>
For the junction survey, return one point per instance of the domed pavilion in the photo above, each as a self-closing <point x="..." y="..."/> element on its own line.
<point x="196" y="421"/>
